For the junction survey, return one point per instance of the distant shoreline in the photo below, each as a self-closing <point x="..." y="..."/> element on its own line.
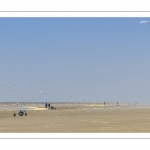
<point x="65" y="105"/>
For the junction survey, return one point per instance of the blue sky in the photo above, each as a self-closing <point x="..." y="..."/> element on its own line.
<point x="74" y="60"/>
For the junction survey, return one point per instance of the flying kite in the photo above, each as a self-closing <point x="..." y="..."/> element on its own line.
<point x="148" y="22"/>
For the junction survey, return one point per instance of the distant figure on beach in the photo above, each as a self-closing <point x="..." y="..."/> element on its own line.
<point x="117" y="103"/>
<point x="104" y="105"/>
<point x="49" y="105"/>
<point x="46" y="105"/>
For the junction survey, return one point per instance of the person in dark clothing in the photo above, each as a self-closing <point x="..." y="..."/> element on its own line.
<point x="49" y="105"/>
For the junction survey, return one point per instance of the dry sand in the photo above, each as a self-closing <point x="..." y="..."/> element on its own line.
<point x="72" y="119"/>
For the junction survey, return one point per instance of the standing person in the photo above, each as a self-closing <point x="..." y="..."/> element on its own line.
<point x="46" y="105"/>
<point x="49" y="106"/>
<point x="117" y="103"/>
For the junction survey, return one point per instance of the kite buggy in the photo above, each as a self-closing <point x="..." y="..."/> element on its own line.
<point x="21" y="113"/>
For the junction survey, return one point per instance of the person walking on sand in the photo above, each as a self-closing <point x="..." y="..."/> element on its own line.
<point x="117" y="103"/>
<point x="49" y="106"/>
<point x="46" y="105"/>
<point x="104" y="105"/>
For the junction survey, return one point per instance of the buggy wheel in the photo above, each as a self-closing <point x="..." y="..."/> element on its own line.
<point x="14" y="114"/>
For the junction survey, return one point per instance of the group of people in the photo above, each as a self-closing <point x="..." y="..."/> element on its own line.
<point x="47" y="105"/>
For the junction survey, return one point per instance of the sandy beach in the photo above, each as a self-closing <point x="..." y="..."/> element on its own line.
<point x="79" y="118"/>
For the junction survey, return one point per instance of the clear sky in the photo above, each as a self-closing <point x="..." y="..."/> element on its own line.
<point x="74" y="59"/>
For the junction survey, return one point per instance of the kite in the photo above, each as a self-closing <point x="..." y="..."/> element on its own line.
<point x="148" y="22"/>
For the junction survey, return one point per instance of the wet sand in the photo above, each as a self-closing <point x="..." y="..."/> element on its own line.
<point x="72" y="119"/>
